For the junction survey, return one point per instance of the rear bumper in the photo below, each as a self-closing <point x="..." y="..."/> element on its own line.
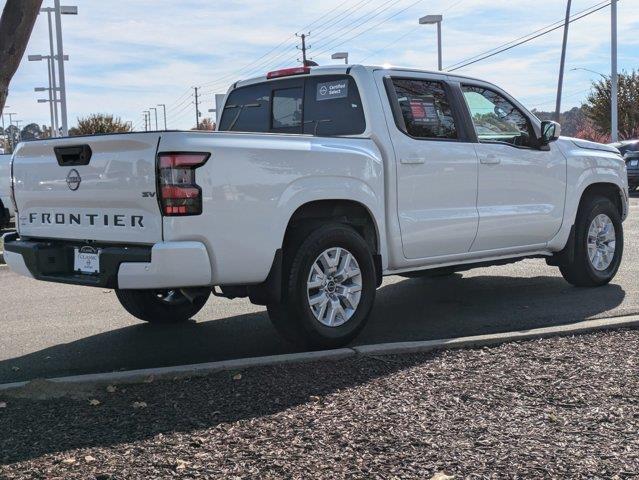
<point x="165" y="265"/>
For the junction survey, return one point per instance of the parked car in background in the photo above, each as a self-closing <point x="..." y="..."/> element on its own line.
<point x="629" y="150"/>
<point x="626" y="146"/>
<point x="6" y="206"/>
<point x="632" y="165"/>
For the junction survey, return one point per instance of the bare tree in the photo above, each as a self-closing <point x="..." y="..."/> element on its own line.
<point x="16" y="24"/>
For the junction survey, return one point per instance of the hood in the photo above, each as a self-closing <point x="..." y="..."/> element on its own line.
<point x="588" y="145"/>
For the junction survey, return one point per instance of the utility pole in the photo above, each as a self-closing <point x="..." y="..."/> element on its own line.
<point x="197" y="110"/>
<point x="164" y="111"/>
<point x="155" y="110"/>
<point x="147" y="120"/>
<point x="10" y="137"/>
<point x="303" y="36"/>
<point x="562" y="65"/>
<point x="614" y="78"/>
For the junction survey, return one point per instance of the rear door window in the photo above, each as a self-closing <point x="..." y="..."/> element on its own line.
<point x="425" y="109"/>
<point x="327" y="105"/>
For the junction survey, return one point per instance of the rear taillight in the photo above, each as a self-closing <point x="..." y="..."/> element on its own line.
<point x="179" y="194"/>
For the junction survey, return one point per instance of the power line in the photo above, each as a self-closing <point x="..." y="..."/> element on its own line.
<point x="557" y="23"/>
<point x="385" y="6"/>
<point x="404" y="35"/>
<point x="372" y="27"/>
<point x="523" y="41"/>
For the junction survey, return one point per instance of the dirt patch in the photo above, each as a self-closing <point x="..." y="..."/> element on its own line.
<point x="555" y="408"/>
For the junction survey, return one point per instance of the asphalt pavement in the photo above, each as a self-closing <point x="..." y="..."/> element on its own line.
<point x="50" y="330"/>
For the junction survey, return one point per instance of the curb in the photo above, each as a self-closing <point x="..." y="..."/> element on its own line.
<point x="194" y="370"/>
<point x="579" y="328"/>
<point x="203" y="369"/>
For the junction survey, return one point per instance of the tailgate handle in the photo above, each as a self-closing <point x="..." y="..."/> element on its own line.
<point x="73" y="155"/>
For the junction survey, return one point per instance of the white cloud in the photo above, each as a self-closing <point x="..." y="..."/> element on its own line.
<point x="129" y="55"/>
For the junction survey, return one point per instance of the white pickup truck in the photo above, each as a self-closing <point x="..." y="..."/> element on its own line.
<point x="320" y="181"/>
<point x="6" y="205"/>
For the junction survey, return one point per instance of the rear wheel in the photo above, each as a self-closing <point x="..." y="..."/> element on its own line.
<point x="329" y="289"/>
<point x="598" y="244"/>
<point x="160" y="306"/>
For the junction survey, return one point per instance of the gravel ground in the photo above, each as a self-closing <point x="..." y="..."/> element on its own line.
<point x="556" y="408"/>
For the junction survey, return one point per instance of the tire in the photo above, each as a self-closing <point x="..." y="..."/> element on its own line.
<point x="582" y="272"/>
<point x="160" y="306"/>
<point x="318" y="327"/>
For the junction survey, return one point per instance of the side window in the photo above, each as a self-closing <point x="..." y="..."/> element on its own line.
<point x="426" y="109"/>
<point x="247" y="109"/>
<point x="497" y="119"/>
<point x="287" y="110"/>
<point x="332" y="106"/>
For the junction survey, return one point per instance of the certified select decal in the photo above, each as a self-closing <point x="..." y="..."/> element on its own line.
<point x="73" y="180"/>
<point x="332" y="90"/>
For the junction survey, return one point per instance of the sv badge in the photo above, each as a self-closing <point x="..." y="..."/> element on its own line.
<point x="148" y="194"/>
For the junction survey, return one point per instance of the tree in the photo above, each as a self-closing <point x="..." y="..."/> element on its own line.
<point x="16" y="25"/>
<point x="597" y="106"/>
<point x="572" y="121"/>
<point x="205" y="124"/>
<point x="99" y="123"/>
<point x="31" y="131"/>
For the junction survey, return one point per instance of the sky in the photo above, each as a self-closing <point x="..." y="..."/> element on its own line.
<point x="127" y="56"/>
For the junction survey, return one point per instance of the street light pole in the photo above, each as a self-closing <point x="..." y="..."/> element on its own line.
<point x="155" y="110"/>
<point x="614" y="78"/>
<point x="562" y="64"/>
<point x="63" y="88"/>
<point x="53" y="82"/>
<point x="430" y="20"/>
<point x="340" y="56"/>
<point x="164" y="111"/>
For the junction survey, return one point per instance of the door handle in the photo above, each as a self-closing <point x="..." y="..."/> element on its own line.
<point x="413" y="159"/>
<point x="490" y="159"/>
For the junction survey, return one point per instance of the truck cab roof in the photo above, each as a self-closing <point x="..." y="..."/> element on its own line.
<point x="345" y="69"/>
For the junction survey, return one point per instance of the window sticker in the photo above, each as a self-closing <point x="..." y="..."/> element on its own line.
<point x="332" y="90"/>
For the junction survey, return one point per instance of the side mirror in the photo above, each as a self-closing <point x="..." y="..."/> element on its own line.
<point x="550" y="131"/>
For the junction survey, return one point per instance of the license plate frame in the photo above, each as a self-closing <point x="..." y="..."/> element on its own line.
<point x="86" y="260"/>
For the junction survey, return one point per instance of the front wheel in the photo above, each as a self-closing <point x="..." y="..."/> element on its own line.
<point x="330" y="288"/>
<point x="160" y="306"/>
<point x="598" y="244"/>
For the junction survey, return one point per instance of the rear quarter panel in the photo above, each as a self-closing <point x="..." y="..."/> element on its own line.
<point x="253" y="183"/>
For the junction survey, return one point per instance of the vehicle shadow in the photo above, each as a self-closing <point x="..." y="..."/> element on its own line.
<point x="406" y="310"/>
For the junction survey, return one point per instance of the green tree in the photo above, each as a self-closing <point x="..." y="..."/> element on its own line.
<point x="99" y="123"/>
<point x="597" y="106"/>
<point x="32" y="131"/>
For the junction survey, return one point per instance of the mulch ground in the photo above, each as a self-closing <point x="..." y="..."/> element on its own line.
<point x="558" y="408"/>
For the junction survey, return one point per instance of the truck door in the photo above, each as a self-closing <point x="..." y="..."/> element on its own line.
<point x="436" y="167"/>
<point x="521" y="187"/>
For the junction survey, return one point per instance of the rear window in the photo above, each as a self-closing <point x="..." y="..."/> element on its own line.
<point x="324" y="106"/>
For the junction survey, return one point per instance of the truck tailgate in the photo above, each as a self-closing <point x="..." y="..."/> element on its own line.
<point x="110" y="198"/>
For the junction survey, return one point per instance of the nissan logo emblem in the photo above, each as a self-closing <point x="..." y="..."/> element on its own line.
<point x="73" y="180"/>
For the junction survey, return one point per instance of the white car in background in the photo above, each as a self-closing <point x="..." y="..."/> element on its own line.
<point x="6" y="205"/>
